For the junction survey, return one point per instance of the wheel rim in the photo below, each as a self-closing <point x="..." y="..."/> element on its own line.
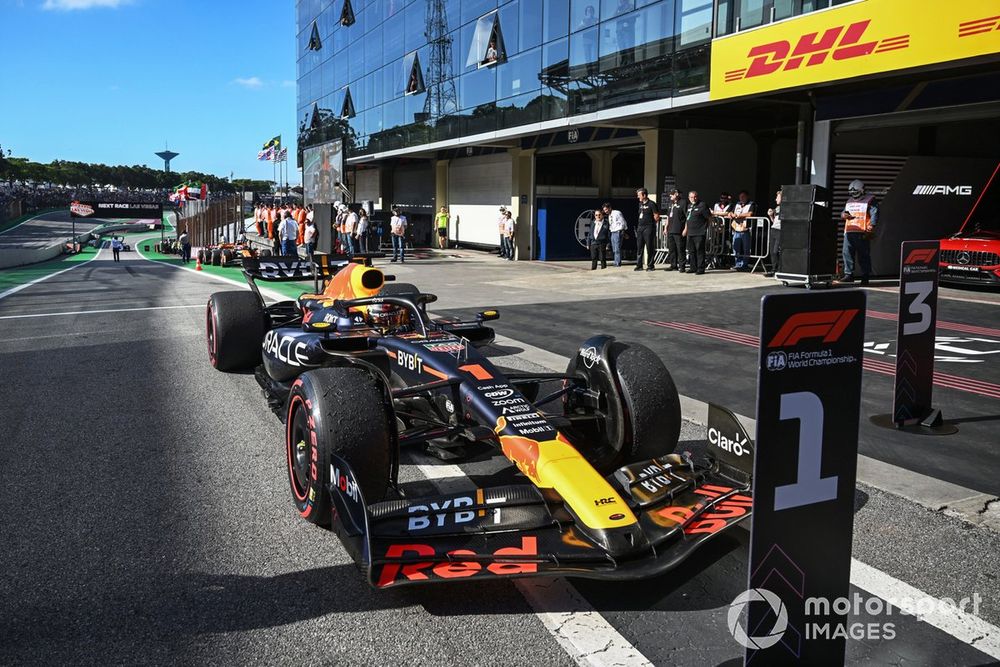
<point x="298" y="451"/>
<point x="210" y="329"/>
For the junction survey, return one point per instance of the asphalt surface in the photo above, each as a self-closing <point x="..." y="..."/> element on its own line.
<point x="39" y="232"/>
<point x="147" y="516"/>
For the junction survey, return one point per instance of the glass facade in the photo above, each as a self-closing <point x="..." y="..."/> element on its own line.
<point x="391" y="74"/>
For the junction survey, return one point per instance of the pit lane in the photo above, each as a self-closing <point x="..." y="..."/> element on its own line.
<point x="147" y="514"/>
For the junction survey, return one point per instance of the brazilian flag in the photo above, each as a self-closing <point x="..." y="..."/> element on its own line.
<point x="274" y="143"/>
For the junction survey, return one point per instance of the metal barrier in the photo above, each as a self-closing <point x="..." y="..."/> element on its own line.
<point x="719" y="243"/>
<point x="760" y="238"/>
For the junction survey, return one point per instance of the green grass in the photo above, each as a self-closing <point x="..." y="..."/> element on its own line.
<point x="290" y="289"/>
<point x="20" y="275"/>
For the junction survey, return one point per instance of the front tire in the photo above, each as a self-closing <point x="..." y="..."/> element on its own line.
<point x="235" y="324"/>
<point x="639" y="402"/>
<point x="342" y="411"/>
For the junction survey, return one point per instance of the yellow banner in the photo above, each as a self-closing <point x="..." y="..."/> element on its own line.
<point x="854" y="40"/>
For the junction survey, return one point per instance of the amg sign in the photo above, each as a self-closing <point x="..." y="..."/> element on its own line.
<point x="963" y="190"/>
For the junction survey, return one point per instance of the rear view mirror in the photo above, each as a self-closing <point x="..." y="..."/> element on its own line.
<point x="488" y="315"/>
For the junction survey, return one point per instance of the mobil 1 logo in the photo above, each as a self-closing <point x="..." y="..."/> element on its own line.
<point x="808" y="407"/>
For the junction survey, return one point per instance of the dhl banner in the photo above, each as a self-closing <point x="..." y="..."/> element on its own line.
<point x="853" y="40"/>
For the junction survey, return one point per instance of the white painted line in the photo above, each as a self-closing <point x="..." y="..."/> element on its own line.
<point x="18" y="288"/>
<point x="580" y="630"/>
<point x="34" y="217"/>
<point x="962" y="625"/>
<point x="94" y="312"/>
<point x="277" y="296"/>
<point x="965" y="627"/>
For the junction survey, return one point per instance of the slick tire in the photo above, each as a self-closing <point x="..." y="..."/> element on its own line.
<point x="235" y="325"/>
<point x="342" y="411"/>
<point x="202" y="256"/>
<point x="266" y="252"/>
<point x="227" y="257"/>
<point x="640" y="403"/>
<point x="216" y="258"/>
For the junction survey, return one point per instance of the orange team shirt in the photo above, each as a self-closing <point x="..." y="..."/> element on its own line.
<point x="270" y="223"/>
<point x="301" y="219"/>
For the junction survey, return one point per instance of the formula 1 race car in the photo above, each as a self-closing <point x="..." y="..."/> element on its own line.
<point x="229" y="254"/>
<point x="360" y="369"/>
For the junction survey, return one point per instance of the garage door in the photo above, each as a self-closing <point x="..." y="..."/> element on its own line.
<point x="413" y="187"/>
<point x="367" y="186"/>
<point x="477" y="188"/>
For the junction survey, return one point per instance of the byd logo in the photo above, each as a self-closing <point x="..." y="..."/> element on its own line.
<point x="826" y="324"/>
<point x="840" y="42"/>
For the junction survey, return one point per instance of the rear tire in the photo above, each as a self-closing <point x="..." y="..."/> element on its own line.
<point x="342" y="411"/>
<point x="266" y="252"/>
<point x="235" y="325"/>
<point x="227" y="257"/>
<point x="641" y="406"/>
<point x="216" y="257"/>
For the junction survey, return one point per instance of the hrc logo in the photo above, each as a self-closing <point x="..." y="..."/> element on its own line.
<point x="841" y="42"/>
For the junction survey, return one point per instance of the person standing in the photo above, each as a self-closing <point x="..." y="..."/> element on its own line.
<point x="442" y="227"/>
<point x="860" y="216"/>
<point x="272" y="230"/>
<point x="501" y="222"/>
<point x="309" y="238"/>
<point x="350" y="223"/>
<point x="616" y="225"/>
<point x="397" y="230"/>
<point x="645" y="232"/>
<point x="698" y="219"/>
<point x="743" y="209"/>
<point x="116" y="247"/>
<point x="774" y="236"/>
<point x="185" y="247"/>
<point x="600" y="232"/>
<point x="676" y="241"/>
<point x="289" y="233"/>
<point x="508" y="234"/>
<point x="361" y="232"/>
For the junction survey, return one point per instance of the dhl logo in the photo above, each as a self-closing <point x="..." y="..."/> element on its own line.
<point x="841" y="42"/>
<point x="979" y="26"/>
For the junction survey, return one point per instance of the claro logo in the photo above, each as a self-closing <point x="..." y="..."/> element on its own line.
<point x="960" y="190"/>
<point x="841" y="42"/>
<point x="826" y="324"/>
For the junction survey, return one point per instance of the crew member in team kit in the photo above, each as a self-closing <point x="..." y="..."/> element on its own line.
<point x="645" y="231"/>
<point x="860" y="216"/>
<point x="743" y="209"/>
<point x="676" y="242"/>
<point x="442" y="225"/>
<point x="698" y="219"/>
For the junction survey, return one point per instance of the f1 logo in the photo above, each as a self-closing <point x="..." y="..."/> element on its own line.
<point x="921" y="256"/>
<point x="826" y="324"/>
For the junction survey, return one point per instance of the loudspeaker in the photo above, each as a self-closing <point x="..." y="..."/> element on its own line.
<point x="803" y="194"/>
<point x="808" y="247"/>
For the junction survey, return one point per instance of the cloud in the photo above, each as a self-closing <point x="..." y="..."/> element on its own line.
<point x="69" y="5"/>
<point x="287" y="83"/>
<point x="252" y="82"/>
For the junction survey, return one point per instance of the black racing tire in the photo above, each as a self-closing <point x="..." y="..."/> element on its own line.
<point x="235" y="325"/>
<point x="342" y="411"/>
<point x="266" y="252"/>
<point x="640" y="403"/>
<point x="201" y="256"/>
<point x="216" y="257"/>
<point x="227" y="256"/>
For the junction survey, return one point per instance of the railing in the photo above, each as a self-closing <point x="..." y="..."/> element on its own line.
<point x="719" y="252"/>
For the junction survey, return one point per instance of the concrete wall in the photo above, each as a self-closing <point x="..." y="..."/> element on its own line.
<point x="711" y="161"/>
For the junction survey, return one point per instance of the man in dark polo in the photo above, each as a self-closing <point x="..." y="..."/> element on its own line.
<point x="676" y="210"/>
<point x="698" y="219"/>
<point x="645" y="229"/>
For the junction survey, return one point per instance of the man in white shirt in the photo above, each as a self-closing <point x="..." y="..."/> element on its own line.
<point x="743" y="209"/>
<point x="508" y="232"/>
<point x="289" y="232"/>
<point x="617" y="226"/>
<point x="350" y="224"/>
<point x="397" y="229"/>
<point x="501" y="221"/>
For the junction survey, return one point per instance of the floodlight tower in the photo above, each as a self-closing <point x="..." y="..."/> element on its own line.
<point x="166" y="156"/>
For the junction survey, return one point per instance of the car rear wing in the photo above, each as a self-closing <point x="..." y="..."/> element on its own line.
<point x="517" y="531"/>
<point x="291" y="268"/>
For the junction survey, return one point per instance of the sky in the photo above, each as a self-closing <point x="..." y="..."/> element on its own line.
<point x="114" y="81"/>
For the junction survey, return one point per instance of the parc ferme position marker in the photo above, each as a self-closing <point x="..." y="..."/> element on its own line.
<point x="808" y="407"/>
